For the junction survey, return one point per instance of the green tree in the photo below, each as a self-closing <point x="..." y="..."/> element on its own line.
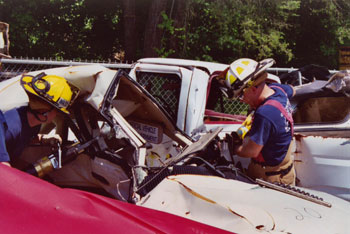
<point x="226" y="30"/>
<point x="322" y="27"/>
<point x="294" y="32"/>
<point x="70" y="29"/>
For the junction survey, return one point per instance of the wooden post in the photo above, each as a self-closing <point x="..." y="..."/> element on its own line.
<point x="4" y="40"/>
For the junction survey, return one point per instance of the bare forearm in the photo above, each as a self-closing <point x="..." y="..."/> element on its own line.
<point x="249" y="149"/>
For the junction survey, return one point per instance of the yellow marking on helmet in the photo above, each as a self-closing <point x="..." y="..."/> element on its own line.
<point x="27" y="79"/>
<point x="232" y="79"/>
<point x="239" y="70"/>
<point x="246" y="62"/>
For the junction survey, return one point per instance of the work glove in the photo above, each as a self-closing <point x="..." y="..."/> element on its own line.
<point x="233" y="141"/>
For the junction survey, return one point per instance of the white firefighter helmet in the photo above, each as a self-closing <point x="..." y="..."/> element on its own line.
<point x="244" y="70"/>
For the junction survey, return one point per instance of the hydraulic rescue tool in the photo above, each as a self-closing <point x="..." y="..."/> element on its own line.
<point x="59" y="156"/>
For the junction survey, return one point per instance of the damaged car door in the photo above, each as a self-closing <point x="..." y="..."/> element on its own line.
<point x="322" y="137"/>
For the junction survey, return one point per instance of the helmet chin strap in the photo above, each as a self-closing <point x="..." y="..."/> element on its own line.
<point x="36" y="115"/>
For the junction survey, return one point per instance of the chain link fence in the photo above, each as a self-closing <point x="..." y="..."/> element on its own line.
<point x="163" y="87"/>
<point x="232" y="106"/>
<point x="14" y="67"/>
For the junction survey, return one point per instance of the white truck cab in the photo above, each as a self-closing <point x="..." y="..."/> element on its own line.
<point x="186" y="90"/>
<point x="182" y="87"/>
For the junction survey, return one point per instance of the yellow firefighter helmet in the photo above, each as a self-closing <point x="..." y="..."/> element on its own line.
<point x="53" y="89"/>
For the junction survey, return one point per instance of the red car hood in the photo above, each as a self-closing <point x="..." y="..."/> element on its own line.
<point x="31" y="205"/>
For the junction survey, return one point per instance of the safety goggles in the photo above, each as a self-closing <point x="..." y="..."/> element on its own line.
<point x="44" y="114"/>
<point x="240" y="92"/>
<point x="256" y="82"/>
<point x="247" y="86"/>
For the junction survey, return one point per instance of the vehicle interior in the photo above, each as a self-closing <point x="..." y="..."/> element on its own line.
<point x="314" y="103"/>
<point x="322" y="110"/>
<point x="101" y="152"/>
<point x="220" y="108"/>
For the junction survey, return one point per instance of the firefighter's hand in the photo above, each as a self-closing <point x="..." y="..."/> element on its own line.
<point x="236" y="139"/>
<point x="236" y="142"/>
<point x="233" y="141"/>
<point x="235" y="149"/>
<point x="51" y="140"/>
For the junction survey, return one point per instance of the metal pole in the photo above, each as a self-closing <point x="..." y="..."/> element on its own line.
<point x="62" y="63"/>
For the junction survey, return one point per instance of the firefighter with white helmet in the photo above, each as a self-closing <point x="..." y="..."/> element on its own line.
<point x="48" y="95"/>
<point x="268" y="142"/>
<point x="245" y="71"/>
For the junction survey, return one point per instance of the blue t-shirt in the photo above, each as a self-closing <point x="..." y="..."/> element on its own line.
<point x="16" y="133"/>
<point x="271" y="129"/>
<point x="3" y="128"/>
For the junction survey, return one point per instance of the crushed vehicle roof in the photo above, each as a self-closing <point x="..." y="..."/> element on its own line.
<point x="210" y="66"/>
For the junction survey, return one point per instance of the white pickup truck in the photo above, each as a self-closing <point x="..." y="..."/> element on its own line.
<point x="182" y="87"/>
<point x="322" y="117"/>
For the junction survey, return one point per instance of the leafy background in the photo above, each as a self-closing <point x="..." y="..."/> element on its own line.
<point x="294" y="32"/>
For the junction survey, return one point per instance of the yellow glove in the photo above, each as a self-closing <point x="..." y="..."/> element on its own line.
<point x="246" y="126"/>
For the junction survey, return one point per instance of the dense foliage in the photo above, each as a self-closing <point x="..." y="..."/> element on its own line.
<point x="294" y="32"/>
<point x="70" y="29"/>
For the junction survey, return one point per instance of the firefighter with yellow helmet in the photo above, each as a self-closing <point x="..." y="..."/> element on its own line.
<point x="268" y="142"/>
<point x="48" y="95"/>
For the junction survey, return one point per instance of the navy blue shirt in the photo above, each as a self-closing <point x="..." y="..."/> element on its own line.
<point x="3" y="128"/>
<point x="15" y="133"/>
<point x="271" y="129"/>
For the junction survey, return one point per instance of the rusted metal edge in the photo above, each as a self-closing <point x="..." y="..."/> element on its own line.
<point x="294" y="193"/>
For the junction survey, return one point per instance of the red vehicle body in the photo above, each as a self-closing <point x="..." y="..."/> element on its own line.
<point x="31" y="205"/>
